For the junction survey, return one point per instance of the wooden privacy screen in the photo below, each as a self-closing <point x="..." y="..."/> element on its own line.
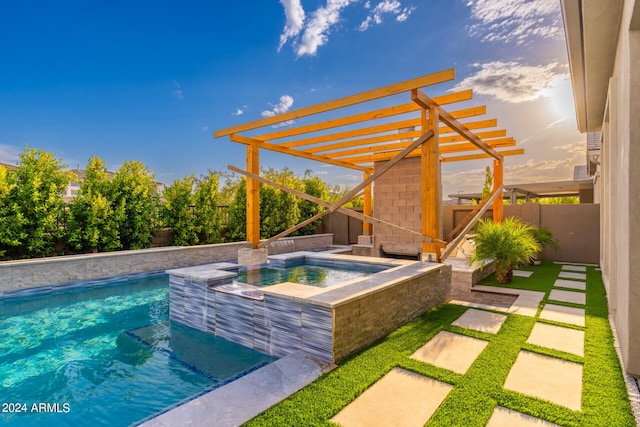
<point x="419" y="128"/>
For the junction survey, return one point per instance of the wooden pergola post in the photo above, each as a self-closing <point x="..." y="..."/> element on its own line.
<point x="367" y="208"/>
<point x="497" y="183"/>
<point x="253" y="197"/>
<point x="430" y="180"/>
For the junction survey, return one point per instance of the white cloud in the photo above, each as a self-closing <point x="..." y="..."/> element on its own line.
<point x="516" y="21"/>
<point x="512" y="81"/>
<point x="9" y="154"/>
<point x="283" y="106"/>
<point x="204" y="128"/>
<point x="294" y="14"/>
<point x="178" y="91"/>
<point x="577" y="147"/>
<point x="239" y="111"/>
<point x="318" y="27"/>
<point x="556" y="123"/>
<point x="391" y="7"/>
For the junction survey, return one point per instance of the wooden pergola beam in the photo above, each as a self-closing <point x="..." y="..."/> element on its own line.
<point x="421" y="99"/>
<point x="370" y="95"/>
<point x="272" y="147"/>
<point x="396" y="110"/>
<point x="348" y="212"/>
<point x="385" y="149"/>
<point x="497" y="183"/>
<point x="505" y="153"/>
<point x="351" y="194"/>
<point x="480" y="124"/>
<point x="382" y="156"/>
<point x="392" y="137"/>
<point x="498" y="133"/>
<point x="371" y="130"/>
<point x="472" y="222"/>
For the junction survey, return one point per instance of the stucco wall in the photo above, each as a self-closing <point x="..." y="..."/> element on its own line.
<point x="576" y="227"/>
<point x="619" y="191"/>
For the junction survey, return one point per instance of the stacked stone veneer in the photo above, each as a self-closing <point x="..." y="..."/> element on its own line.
<point x="331" y="324"/>
<point x="360" y="322"/>
<point x="397" y="199"/>
<point x="275" y="326"/>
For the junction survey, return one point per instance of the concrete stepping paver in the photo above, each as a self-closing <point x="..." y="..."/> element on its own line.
<point x="571" y="284"/>
<point x="568" y="267"/>
<point x="522" y="273"/>
<point x="563" y="314"/>
<point x="482" y="321"/>
<point x="525" y="305"/>
<point x="548" y="378"/>
<point x="568" y="296"/>
<point x="401" y="398"/>
<point x="558" y="338"/>
<point x="503" y="417"/>
<point x="450" y="351"/>
<point x="572" y="275"/>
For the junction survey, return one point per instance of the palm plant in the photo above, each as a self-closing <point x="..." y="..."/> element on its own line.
<point x="509" y="243"/>
<point x="545" y="238"/>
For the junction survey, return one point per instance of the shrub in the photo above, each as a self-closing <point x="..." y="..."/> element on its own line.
<point x="509" y="243"/>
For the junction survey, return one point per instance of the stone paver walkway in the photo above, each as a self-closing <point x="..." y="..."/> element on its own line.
<point x="400" y="398"/>
<point x="558" y="338"/>
<point x="568" y="296"/>
<point x="580" y="268"/>
<point x="563" y="314"/>
<point x="522" y="273"/>
<point x="572" y="275"/>
<point x="450" y="351"/>
<point x="503" y="417"/>
<point x="480" y="320"/>
<point x="548" y="378"/>
<point x="571" y="284"/>
<point x="536" y="375"/>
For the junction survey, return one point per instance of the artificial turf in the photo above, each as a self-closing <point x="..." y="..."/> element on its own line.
<point x="477" y="392"/>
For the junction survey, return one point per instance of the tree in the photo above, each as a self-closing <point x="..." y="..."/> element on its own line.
<point x="207" y="214"/>
<point x="93" y="221"/>
<point x="35" y="208"/>
<point x="133" y="189"/>
<point x="178" y="214"/>
<point x="313" y="186"/>
<point x="488" y="182"/>
<point x="236" y="228"/>
<point x="10" y="223"/>
<point x="279" y="210"/>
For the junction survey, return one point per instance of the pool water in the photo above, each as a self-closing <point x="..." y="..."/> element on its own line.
<point x="314" y="273"/>
<point x="107" y="355"/>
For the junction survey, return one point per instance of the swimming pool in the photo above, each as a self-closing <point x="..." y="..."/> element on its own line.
<point x="106" y="355"/>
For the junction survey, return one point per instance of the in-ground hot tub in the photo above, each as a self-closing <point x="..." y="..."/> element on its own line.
<point x="329" y="322"/>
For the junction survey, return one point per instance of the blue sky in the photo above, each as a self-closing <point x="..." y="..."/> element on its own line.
<point x="151" y="80"/>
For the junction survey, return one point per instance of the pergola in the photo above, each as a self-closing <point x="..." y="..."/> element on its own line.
<point x="372" y="142"/>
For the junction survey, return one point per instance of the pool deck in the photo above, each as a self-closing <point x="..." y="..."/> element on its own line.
<point x="239" y="401"/>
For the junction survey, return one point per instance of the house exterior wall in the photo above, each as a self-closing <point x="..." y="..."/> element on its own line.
<point x="619" y="190"/>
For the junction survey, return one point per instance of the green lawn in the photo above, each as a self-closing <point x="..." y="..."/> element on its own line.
<point x="479" y="390"/>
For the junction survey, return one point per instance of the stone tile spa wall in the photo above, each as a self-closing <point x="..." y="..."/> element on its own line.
<point x="330" y="324"/>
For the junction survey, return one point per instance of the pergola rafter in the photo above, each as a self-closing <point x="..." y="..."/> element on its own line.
<point x="421" y="128"/>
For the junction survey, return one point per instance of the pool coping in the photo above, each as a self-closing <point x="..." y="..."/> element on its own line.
<point x="215" y="274"/>
<point x="241" y="400"/>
